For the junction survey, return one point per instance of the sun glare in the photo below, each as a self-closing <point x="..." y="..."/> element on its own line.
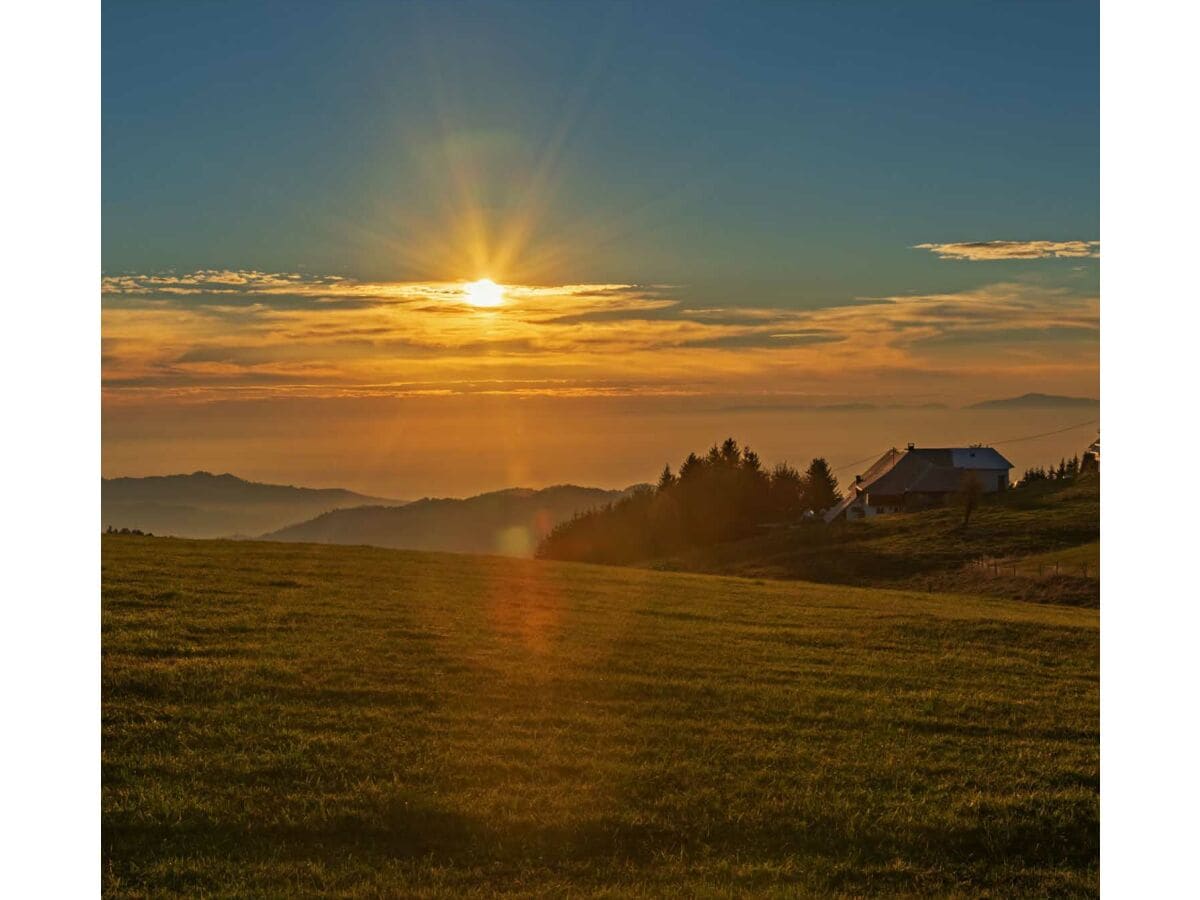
<point x="484" y="292"/>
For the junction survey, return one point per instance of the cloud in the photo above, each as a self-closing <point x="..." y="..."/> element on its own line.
<point x="977" y="251"/>
<point x="209" y="334"/>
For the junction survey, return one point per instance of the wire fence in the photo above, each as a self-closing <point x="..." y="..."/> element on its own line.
<point x="999" y="567"/>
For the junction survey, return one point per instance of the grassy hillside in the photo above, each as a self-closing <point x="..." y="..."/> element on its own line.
<point x="1083" y="559"/>
<point x="930" y="550"/>
<point x="508" y="522"/>
<point x="291" y="720"/>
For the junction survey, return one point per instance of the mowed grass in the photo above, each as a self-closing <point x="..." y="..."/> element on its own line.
<point x="291" y="720"/>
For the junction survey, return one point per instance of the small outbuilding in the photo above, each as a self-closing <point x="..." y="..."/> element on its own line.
<point x="920" y="477"/>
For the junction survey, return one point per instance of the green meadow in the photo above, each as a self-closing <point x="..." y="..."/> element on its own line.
<point x="304" y="720"/>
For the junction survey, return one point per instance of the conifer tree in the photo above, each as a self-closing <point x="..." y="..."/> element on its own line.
<point x="666" y="480"/>
<point x="786" y="491"/>
<point x="820" y="487"/>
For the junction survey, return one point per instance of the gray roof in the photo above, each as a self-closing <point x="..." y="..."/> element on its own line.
<point x="979" y="458"/>
<point x="933" y="470"/>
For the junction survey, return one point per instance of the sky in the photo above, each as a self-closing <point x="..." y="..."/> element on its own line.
<point x="822" y="227"/>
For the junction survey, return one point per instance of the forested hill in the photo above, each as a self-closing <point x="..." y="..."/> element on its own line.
<point x="725" y="513"/>
<point x="509" y="522"/>
<point x="722" y="496"/>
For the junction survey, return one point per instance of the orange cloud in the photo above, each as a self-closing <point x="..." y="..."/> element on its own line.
<point x="977" y="251"/>
<point x="221" y="333"/>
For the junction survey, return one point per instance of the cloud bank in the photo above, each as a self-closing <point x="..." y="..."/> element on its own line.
<point x="220" y="334"/>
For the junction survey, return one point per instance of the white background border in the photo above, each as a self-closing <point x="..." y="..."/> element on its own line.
<point x="1150" y="350"/>
<point x="1150" y="694"/>
<point x="50" y="521"/>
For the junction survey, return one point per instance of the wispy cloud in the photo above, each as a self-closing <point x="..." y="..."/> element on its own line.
<point x="977" y="251"/>
<point x="209" y="334"/>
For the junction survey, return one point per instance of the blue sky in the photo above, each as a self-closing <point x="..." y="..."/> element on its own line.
<point x="793" y="152"/>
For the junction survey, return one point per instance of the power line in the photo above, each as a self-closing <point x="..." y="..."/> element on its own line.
<point x="863" y="460"/>
<point x="1031" y="437"/>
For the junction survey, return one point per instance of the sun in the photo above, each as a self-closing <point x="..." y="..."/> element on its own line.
<point x="484" y="292"/>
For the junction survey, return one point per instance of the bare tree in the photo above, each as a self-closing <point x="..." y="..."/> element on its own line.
<point x="969" y="491"/>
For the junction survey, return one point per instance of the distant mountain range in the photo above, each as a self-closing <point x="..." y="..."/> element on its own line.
<point x="508" y="522"/>
<point x="1038" y="401"/>
<point x="206" y="505"/>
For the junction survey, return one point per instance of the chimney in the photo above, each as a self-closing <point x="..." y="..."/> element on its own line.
<point x="912" y="446"/>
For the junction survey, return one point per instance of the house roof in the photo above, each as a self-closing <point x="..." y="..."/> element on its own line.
<point x="927" y="469"/>
<point x="979" y="458"/>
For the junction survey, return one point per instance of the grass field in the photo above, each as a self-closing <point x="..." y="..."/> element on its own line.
<point x="1077" y="560"/>
<point x="289" y="720"/>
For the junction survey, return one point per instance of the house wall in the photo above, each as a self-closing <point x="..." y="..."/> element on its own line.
<point x="993" y="480"/>
<point x="869" y="505"/>
<point x="861" y="510"/>
<point x="908" y="502"/>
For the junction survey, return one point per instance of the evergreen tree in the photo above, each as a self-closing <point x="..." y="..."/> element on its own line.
<point x="786" y="491"/>
<point x="666" y="480"/>
<point x="820" y="487"/>
<point x="754" y="491"/>
<point x="690" y="468"/>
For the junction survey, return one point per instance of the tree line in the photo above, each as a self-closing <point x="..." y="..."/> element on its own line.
<point x="724" y="495"/>
<point x="1066" y="470"/>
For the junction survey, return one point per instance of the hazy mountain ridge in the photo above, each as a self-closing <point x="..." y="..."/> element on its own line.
<point x="1038" y="401"/>
<point x="508" y="522"/>
<point x="206" y="505"/>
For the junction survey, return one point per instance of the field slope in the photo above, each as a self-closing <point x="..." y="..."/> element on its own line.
<point x="285" y="720"/>
<point x="931" y="550"/>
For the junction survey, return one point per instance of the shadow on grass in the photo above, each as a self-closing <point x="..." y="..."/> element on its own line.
<point x="999" y="837"/>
